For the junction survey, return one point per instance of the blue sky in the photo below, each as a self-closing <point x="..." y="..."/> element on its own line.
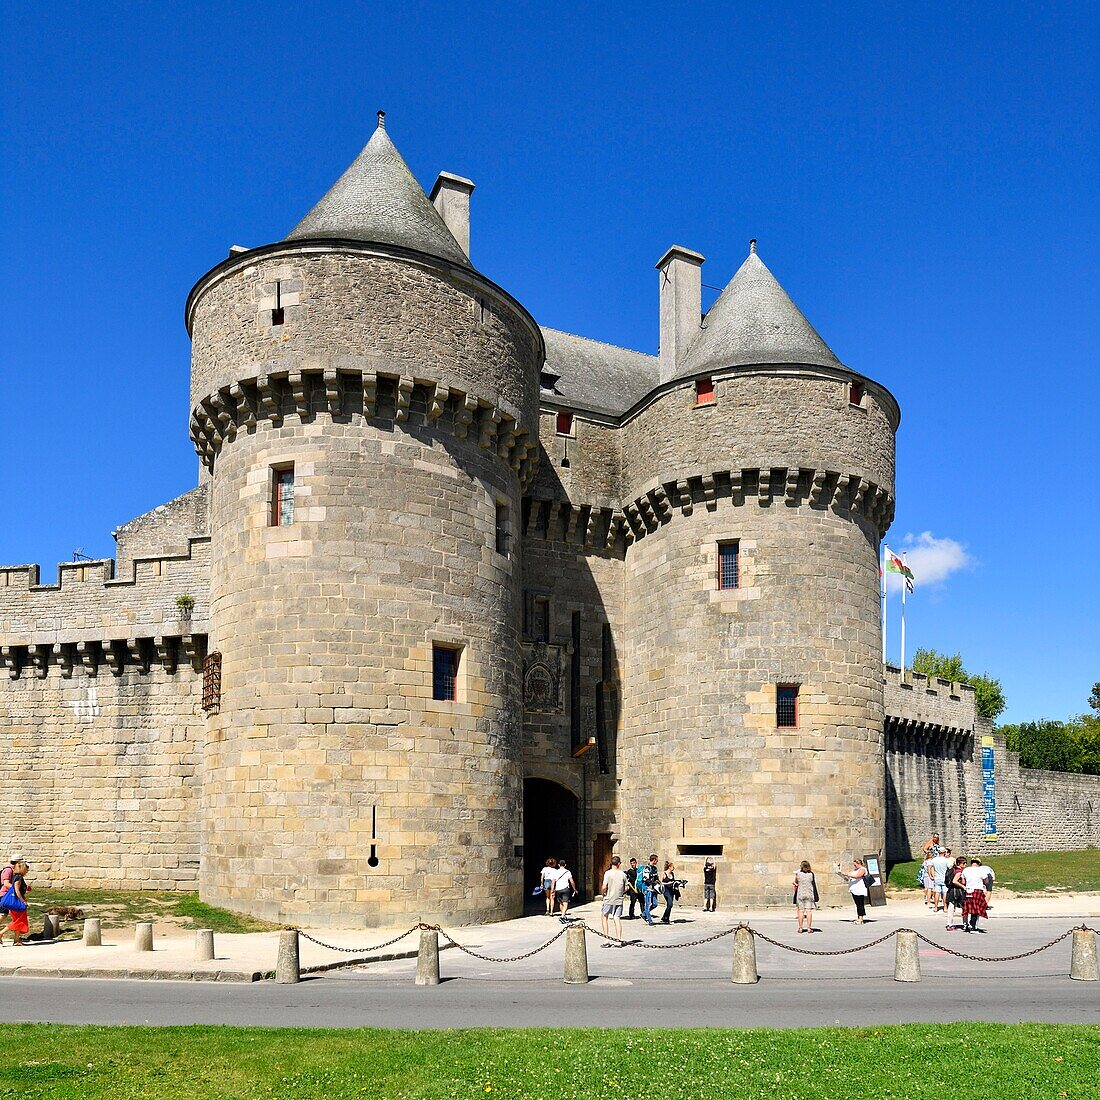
<point x="921" y="178"/>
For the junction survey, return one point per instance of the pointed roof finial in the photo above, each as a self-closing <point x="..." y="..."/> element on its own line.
<point x="752" y="247"/>
<point x="381" y="120"/>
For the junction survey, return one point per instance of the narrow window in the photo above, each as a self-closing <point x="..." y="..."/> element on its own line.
<point x="575" y="681"/>
<point x="277" y="314"/>
<point x="855" y="393"/>
<point x="503" y="535"/>
<point x="565" y="423"/>
<point x="445" y="673"/>
<point x="786" y="706"/>
<point x="537" y="616"/>
<point x="607" y="655"/>
<point x="704" y="391"/>
<point x="729" y="565"/>
<point x="282" y="496"/>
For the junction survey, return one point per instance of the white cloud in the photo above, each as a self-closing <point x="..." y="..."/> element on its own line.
<point x="932" y="560"/>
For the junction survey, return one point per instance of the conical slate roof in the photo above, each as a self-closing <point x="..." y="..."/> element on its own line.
<point x="378" y="199"/>
<point x="754" y="321"/>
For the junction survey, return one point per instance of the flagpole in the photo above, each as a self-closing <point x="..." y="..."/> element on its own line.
<point x="882" y="583"/>
<point x="904" y="586"/>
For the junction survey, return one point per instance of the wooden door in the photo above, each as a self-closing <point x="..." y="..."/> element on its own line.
<point x="601" y="860"/>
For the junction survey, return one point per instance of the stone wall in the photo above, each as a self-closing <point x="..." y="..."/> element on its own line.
<point x="934" y="743"/>
<point x="760" y="418"/>
<point x="101" y="776"/>
<point x="166" y="529"/>
<point x="348" y="307"/>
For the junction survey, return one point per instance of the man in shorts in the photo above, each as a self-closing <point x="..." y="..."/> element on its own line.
<point x="940" y="865"/>
<point x="614" y="886"/>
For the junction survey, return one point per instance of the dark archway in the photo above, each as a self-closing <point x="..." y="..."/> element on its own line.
<point x="549" y="829"/>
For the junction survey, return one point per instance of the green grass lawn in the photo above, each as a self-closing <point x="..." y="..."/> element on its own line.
<point x="119" y="908"/>
<point x="1026" y="873"/>
<point x="967" y="1060"/>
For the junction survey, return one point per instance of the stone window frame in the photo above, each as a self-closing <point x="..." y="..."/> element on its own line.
<point x="728" y="599"/>
<point x="533" y="597"/>
<point x="723" y="544"/>
<point x="857" y="390"/>
<point x="570" y="421"/>
<point x="779" y="689"/>
<point x="503" y="533"/>
<point x="275" y="494"/>
<point x="457" y="674"/>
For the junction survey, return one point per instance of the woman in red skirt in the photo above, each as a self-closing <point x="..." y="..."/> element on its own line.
<point x="18" y="921"/>
<point x="975" y="904"/>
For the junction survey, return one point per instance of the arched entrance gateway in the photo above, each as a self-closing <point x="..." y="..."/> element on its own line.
<point x="549" y="829"/>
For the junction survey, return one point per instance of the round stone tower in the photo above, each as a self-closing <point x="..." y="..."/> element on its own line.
<point x="759" y="485"/>
<point x="362" y="400"/>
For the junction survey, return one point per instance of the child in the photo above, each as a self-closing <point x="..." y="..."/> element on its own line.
<point x="18" y="921"/>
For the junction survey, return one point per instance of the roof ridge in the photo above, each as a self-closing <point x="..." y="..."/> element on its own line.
<point x="592" y="340"/>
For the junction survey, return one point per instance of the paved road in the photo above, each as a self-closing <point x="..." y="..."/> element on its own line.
<point x="631" y="987"/>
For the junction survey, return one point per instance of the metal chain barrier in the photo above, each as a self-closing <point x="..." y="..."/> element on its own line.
<point x="692" y="943"/>
<point x="356" y="950"/>
<point x="491" y="958"/>
<point x="662" y="946"/>
<point x="995" y="958"/>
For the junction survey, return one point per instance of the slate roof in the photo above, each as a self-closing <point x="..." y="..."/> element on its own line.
<point x="754" y="321"/>
<point x="378" y="199"/>
<point x="598" y="377"/>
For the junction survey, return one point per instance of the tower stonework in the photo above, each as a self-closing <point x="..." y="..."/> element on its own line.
<point x="458" y="592"/>
<point x="398" y="387"/>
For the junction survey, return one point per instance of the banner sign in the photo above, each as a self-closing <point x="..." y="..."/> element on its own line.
<point x="989" y="794"/>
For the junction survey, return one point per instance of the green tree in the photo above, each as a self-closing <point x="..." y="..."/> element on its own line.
<point x="989" y="698"/>
<point x="1094" y="696"/>
<point x="1045" y="744"/>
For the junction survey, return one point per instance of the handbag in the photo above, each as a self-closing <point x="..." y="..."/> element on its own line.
<point x="817" y="896"/>
<point x="11" y="900"/>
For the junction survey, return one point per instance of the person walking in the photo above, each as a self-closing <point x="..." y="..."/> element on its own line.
<point x="857" y="886"/>
<point x="564" y="888"/>
<point x="669" y="889"/>
<point x="614" y="885"/>
<point x="8" y="873"/>
<point x="18" y="920"/>
<point x="549" y="876"/>
<point x="928" y="880"/>
<point x="956" y="893"/>
<point x="941" y="864"/>
<point x="975" y="905"/>
<point x="633" y="896"/>
<point x="805" y="895"/>
<point x="988" y="877"/>
<point x="648" y="880"/>
<point x="710" y="889"/>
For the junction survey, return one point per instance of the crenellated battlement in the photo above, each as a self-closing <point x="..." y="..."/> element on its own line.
<point x="916" y="703"/>
<point x="342" y="392"/>
<point x="88" y="603"/>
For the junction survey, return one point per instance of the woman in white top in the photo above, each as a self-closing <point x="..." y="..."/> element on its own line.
<point x="857" y="886"/>
<point x="549" y="877"/>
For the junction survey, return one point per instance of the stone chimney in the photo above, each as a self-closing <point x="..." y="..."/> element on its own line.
<point x="451" y="197"/>
<point x="681" y="305"/>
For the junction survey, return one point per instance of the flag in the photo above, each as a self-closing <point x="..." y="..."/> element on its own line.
<point x="894" y="564"/>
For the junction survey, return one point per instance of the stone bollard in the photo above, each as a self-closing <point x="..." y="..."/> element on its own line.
<point x="744" y="957"/>
<point x="1084" y="966"/>
<point x="576" y="956"/>
<point x="204" y="945"/>
<point x="906" y="958"/>
<point x="93" y="936"/>
<point x="427" y="958"/>
<point x="143" y="936"/>
<point x="51" y="926"/>
<point x="287" y="970"/>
